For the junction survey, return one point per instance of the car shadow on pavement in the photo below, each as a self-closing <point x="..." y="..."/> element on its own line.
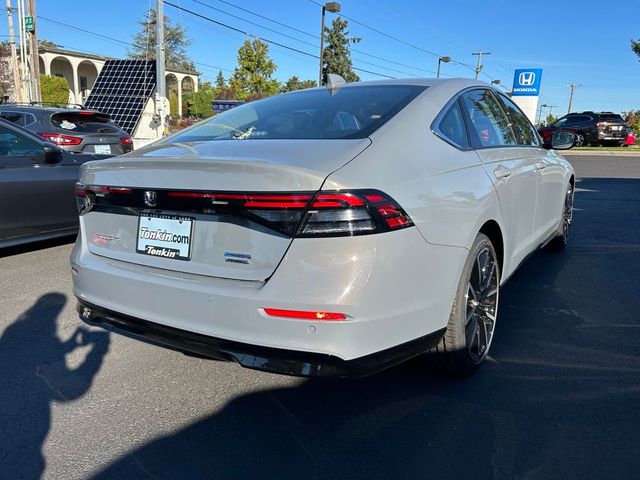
<point x="33" y="375"/>
<point x="558" y="397"/>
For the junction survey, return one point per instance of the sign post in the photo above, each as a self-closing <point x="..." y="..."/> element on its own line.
<point x="526" y="89"/>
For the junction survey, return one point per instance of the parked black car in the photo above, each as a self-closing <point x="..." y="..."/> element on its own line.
<point x="74" y="129"/>
<point x="37" y="187"/>
<point x="592" y="128"/>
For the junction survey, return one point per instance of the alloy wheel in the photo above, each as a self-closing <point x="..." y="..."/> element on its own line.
<point x="481" y="305"/>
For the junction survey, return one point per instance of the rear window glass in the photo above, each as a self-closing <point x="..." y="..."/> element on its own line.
<point x="611" y="118"/>
<point x="348" y="112"/>
<point x="84" y="122"/>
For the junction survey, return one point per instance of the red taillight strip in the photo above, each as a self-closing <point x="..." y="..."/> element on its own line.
<point x="253" y="200"/>
<point x="337" y="200"/>
<point x="303" y="314"/>
<point x="82" y="190"/>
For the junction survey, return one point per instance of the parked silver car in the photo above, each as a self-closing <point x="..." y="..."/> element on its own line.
<point x="329" y="231"/>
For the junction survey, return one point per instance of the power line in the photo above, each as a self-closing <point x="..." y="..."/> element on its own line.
<point x="116" y="40"/>
<point x="309" y="35"/>
<point x="272" y="42"/>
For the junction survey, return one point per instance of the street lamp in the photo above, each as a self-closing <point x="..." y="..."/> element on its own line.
<point x="333" y="7"/>
<point x="440" y="60"/>
<point x="540" y="113"/>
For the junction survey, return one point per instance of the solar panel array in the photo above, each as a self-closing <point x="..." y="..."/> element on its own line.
<point x="122" y="90"/>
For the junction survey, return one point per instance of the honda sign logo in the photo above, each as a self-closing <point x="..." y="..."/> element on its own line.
<point x="526" y="82"/>
<point x="527" y="79"/>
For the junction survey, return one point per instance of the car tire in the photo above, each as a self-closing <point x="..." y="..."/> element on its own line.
<point x="559" y="242"/>
<point x="471" y="326"/>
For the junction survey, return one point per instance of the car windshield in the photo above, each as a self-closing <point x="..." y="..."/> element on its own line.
<point x="349" y="112"/>
<point x="84" y="122"/>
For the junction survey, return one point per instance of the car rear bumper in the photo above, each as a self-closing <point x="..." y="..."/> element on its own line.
<point x="275" y="360"/>
<point x="394" y="288"/>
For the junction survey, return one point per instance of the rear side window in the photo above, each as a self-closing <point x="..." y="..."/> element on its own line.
<point x="84" y="122"/>
<point x="524" y="131"/>
<point x="14" y="145"/>
<point x="348" y="112"/>
<point x="490" y="127"/>
<point x="452" y="126"/>
<point x="572" y="120"/>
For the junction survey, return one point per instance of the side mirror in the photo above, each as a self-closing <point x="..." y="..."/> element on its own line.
<point x="561" y="140"/>
<point x="52" y="154"/>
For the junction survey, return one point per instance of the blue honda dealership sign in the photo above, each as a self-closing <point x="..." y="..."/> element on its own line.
<point x="526" y="82"/>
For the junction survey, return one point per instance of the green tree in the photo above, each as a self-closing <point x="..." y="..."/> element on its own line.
<point x="198" y="104"/>
<point x="550" y="119"/>
<point x="175" y="43"/>
<point x="294" y="83"/>
<point x="337" y="51"/>
<point x="252" y="76"/>
<point x="54" y="90"/>
<point x="635" y="47"/>
<point x="220" y="80"/>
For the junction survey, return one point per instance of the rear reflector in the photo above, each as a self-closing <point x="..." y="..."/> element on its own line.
<point x="304" y="315"/>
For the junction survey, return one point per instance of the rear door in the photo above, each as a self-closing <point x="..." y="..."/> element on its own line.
<point x="550" y="175"/>
<point x="34" y="197"/>
<point x="511" y="168"/>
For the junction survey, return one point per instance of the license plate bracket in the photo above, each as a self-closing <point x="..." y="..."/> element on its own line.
<point x="167" y="236"/>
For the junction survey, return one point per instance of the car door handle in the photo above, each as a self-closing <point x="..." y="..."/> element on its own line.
<point x="501" y="172"/>
<point x="541" y="166"/>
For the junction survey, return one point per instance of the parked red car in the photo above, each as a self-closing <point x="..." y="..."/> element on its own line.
<point x="631" y="139"/>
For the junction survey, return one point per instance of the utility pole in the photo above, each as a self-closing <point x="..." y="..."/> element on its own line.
<point x="572" y="86"/>
<point x="160" y="75"/>
<point x="24" y="69"/>
<point x="551" y="107"/>
<point x="333" y="7"/>
<point x="34" y="71"/>
<point x="17" y="80"/>
<point x="479" y="65"/>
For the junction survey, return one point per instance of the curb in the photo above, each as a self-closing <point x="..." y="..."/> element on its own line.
<point x="602" y="153"/>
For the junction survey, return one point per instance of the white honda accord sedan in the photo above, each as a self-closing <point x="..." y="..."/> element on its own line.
<point x="330" y="231"/>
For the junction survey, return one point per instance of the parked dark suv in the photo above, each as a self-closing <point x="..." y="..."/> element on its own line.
<point x="74" y="129"/>
<point x="592" y="128"/>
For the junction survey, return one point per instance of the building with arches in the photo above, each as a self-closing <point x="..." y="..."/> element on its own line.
<point x="82" y="69"/>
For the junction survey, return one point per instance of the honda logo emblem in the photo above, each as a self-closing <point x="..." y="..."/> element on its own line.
<point x="527" y="79"/>
<point x="150" y="198"/>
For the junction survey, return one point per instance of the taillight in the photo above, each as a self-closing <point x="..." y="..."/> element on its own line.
<point x="601" y="124"/>
<point x="61" y="139"/>
<point x="126" y="140"/>
<point x="295" y="214"/>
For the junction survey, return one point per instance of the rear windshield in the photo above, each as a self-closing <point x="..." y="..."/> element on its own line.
<point x="611" y="118"/>
<point x="84" y="122"/>
<point x="349" y="112"/>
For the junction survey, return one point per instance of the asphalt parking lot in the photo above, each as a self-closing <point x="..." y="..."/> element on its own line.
<point x="559" y="397"/>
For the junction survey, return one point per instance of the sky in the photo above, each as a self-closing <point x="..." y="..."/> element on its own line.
<point x="571" y="41"/>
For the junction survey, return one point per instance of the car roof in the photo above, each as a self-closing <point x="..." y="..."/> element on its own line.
<point x="37" y="108"/>
<point x="444" y="83"/>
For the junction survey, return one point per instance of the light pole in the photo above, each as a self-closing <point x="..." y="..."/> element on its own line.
<point x="333" y="7"/>
<point x="440" y="60"/>
<point x="540" y="112"/>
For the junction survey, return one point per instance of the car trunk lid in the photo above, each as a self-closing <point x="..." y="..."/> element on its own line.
<point x="184" y="206"/>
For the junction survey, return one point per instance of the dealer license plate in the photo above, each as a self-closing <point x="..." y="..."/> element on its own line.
<point x="167" y="236"/>
<point x="102" y="149"/>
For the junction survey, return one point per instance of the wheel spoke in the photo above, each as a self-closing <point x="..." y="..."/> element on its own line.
<point x="481" y="304"/>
